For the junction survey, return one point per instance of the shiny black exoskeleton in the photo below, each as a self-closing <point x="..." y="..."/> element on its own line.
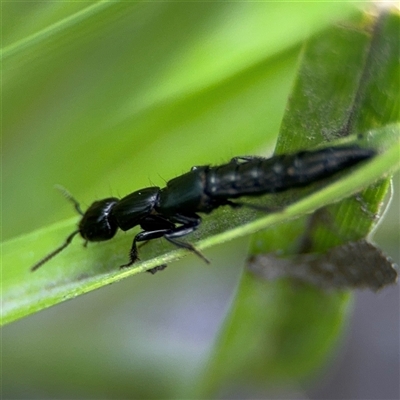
<point x="172" y="212"/>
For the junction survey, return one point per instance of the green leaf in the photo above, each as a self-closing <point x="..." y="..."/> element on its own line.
<point x="78" y="270"/>
<point x="347" y="85"/>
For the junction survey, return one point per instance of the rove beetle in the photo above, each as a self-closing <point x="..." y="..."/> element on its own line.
<point x="171" y="212"/>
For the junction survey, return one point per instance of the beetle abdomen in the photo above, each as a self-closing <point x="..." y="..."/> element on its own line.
<point x="257" y="176"/>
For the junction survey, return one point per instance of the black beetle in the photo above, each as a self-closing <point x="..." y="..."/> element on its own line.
<point x="172" y="212"/>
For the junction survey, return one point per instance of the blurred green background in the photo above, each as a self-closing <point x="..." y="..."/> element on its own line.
<point x="105" y="98"/>
<point x="129" y="94"/>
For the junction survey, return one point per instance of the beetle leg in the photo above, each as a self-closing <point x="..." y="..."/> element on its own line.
<point x="143" y="237"/>
<point x="187" y="246"/>
<point x="241" y="159"/>
<point x="156" y="269"/>
<point x="189" y="224"/>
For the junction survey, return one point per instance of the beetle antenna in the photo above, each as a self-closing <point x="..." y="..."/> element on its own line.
<point x="49" y="256"/>
<point x="70" y="198"/>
